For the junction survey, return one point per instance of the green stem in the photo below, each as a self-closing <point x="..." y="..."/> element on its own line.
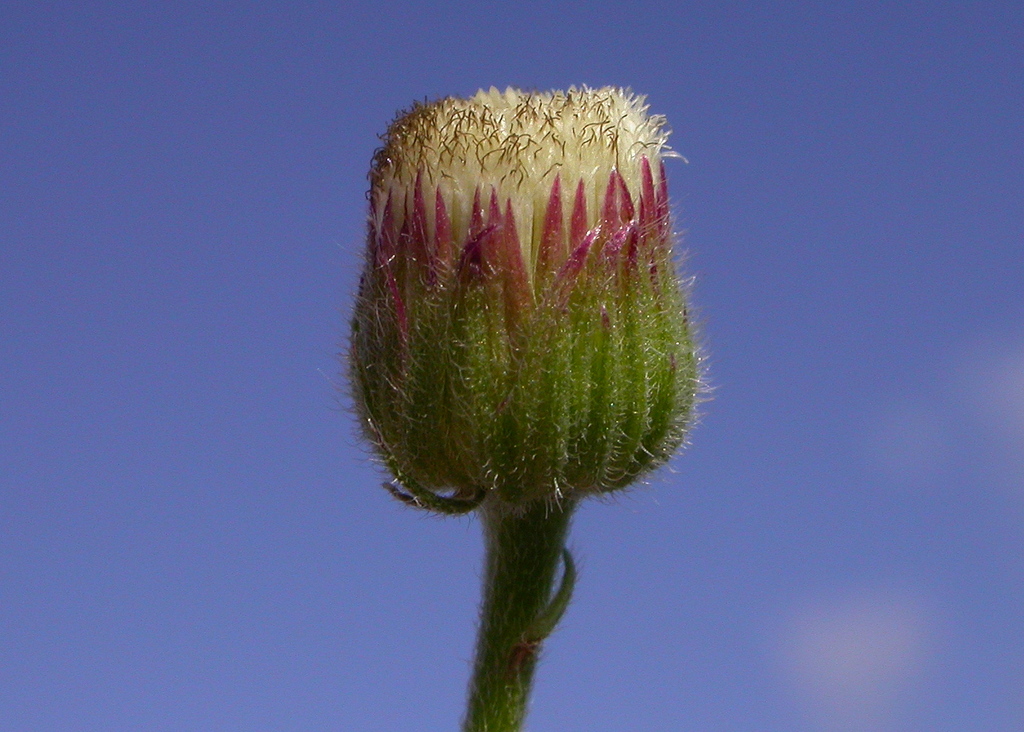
<point x="519" y="609"/>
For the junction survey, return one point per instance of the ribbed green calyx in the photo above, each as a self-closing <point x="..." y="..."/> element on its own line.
<point x="520" y="329"/>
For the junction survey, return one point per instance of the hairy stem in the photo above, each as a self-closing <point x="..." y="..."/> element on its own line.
<point x="520" y="608"/>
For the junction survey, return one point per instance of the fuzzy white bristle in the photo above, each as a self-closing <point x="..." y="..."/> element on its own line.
<point x="517" y="143"/>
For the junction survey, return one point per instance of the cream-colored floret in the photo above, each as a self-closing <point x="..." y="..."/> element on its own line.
<point x="517" y="142"/>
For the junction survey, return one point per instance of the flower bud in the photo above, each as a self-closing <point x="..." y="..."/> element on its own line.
<point x="520" y="328"/>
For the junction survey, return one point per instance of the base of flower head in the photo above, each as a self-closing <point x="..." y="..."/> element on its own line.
<point x="591" y="389"/>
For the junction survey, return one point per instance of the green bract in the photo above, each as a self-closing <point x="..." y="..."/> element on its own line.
<point x="520" y="330"/>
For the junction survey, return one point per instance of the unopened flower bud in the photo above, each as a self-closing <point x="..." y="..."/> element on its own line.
<point x="520" y="327"/>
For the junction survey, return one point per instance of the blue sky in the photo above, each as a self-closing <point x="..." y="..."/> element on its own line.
<point x="192" y="536"/>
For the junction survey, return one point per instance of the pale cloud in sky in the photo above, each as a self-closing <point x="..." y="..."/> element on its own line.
<point x="855" y="661"/>
<point x="999" y="387"/>
<point x="975" y="418"/>
<point x="995" y="393"/>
